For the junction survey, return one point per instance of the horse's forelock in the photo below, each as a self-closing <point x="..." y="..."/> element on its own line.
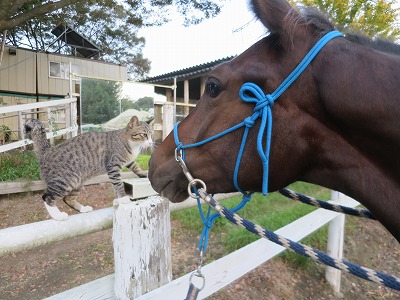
<point x="316" y="18"/>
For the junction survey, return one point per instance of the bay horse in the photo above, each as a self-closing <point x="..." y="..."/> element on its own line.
<point x="335" y="126"/>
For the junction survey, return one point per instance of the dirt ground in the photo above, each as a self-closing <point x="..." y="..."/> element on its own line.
<point x="48" y="270"/>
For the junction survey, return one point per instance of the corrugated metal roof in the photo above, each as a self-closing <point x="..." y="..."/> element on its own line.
<point x="187" y="72"/>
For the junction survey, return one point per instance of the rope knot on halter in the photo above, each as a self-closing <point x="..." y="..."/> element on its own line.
<point x="252" y="93"/>
<point x="249" y="122"/>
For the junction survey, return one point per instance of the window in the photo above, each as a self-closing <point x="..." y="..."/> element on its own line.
<point x="61" y="70"/>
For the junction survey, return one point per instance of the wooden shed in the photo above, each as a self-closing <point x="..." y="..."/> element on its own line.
<point x="41" y="75"/>
<point x="28" y="76"/>
<point x="190" y="84"/>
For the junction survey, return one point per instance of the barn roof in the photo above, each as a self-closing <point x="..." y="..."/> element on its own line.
<point x="187" y="73"/>
<point x="80" y="43"/>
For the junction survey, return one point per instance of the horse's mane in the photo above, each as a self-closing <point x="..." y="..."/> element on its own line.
<point x="377" y="44"/>
<point x="314" y="17"/>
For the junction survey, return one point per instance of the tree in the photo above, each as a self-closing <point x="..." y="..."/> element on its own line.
<point x="145" y="103"/>
<point x="100" y="100"/>
<point x="12" y="13"/>
<point x="15" y="13"/>
<point x="374" y="18"/>
<point x="112" y="25"/>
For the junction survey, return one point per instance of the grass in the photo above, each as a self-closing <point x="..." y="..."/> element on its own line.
<point x="143" y="161"/>
<point x="17" y="165"/>
<point x="272" y="212"/>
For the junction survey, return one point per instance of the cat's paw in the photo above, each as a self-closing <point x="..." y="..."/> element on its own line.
<point x="62" y="216"/>
<point x="85" y="209"/>
<point x="55" y="213"/>
<point x="142" y="174"/>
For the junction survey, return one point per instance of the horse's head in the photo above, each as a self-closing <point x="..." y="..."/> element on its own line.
<point x="267" y="63"/>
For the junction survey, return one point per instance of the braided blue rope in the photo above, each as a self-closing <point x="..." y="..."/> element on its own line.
<point x="358" y="212"/>
<point x="362" y="272"/>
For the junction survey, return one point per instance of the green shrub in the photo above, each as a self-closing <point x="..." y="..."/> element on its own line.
<point x="18" y="165"/>
<point x="143" y="161"/>
<point x="5" y="133"/>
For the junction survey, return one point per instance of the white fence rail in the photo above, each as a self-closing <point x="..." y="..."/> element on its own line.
<point x="218" y="274"/>
<point x="227" y="269"/>
<point x="70" y="119"/>
<point x="30" y="236"/>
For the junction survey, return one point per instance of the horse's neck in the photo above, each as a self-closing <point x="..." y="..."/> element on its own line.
<point x="361" y="91"/>
<point x="343" y="167"/>
<point x="359" y="152"/>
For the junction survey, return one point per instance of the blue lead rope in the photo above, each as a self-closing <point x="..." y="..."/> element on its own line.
<point x="252" y="93"/>
<point x="209" y="221"/>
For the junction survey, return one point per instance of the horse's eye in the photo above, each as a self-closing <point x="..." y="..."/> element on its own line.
<point x="213" y="89"/>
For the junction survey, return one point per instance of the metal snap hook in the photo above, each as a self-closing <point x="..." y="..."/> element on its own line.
<point x="200" y="275"/>
<point x="186" y="172"/>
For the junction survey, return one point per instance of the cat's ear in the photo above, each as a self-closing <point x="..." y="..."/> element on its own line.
<point x="133" y="122"/>
<point x="150" y="121"/>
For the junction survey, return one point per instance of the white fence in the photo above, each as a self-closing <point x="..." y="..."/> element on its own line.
<point x="71" y="127"/>
<point x="218" y="274"/>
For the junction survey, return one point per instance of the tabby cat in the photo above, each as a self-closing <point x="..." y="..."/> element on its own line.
<point x="68" y="165"/>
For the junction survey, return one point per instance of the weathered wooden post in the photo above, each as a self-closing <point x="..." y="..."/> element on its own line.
<point x="335" y="246"/>
<point x="142" y="246"/>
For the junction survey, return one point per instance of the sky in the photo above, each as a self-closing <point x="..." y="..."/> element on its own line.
<point x="173" y="47"/>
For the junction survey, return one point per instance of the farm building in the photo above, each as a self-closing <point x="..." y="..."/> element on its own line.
<point x="28" y="76"/>
<point x="190" y="84"/>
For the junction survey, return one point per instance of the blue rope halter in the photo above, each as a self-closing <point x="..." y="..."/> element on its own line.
<point x="252" y="93"/>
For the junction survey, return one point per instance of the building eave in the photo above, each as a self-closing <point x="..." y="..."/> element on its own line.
<point x="186" y="73"/>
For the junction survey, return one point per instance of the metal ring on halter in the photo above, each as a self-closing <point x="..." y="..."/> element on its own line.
<point x="192" y="183"/>
<point x="200" y="275"/>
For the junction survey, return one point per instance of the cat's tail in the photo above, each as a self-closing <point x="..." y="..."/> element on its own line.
<point x="36" y="131"/>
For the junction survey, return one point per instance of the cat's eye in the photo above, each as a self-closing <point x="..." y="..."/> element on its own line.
<point x="213" y="88"/>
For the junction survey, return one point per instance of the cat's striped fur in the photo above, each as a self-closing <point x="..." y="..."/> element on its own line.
<point x="68" y="165"/>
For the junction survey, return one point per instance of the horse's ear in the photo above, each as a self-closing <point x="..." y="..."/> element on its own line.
<point x="273" y="13"/>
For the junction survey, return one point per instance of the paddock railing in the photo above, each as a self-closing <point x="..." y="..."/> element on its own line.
<point x="50" y="108"/>
<point x="132" y="223"/>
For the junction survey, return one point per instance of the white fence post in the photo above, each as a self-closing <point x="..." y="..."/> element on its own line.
<point x="168" y="116"/>
<point x="335" y="245"/>
<point x="50" y="122"/>
<point x="142" y="246"/>
<point x="74" y="117"/>
<point x="21" y="131"/>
